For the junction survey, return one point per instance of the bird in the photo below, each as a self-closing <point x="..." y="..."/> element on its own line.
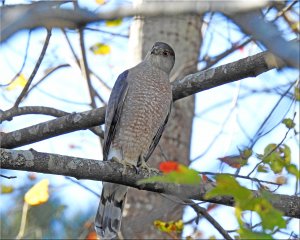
<point x="136" y="115"/>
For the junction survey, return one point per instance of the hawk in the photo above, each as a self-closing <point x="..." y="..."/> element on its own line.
<point x="136" y="115"/>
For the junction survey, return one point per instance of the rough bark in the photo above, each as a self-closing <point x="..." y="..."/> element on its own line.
<point x="83" y="168"/>
<point x="183" y="33"/>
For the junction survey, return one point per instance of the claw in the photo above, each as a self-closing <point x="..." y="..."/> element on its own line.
<point x="124" y="164"/>
<point x="143" y="165"/>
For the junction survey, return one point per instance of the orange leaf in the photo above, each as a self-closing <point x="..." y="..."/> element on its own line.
<point x="169" y="166"/>
<point x="91" y="236"/>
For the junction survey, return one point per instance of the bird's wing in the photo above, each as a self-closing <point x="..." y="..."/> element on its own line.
<point x="157" y="136"/>
<point x="114" y="110"/>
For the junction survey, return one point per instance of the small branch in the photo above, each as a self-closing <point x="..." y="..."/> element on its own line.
<point x="69" y="123"/>
<point x="109" y="171"/>
<point x="9" y="114"/>
<point x="241" y="176"/>
<point x="7" y="177"/>
<point x="36" y="68"/>
<point x="85" y="69"/>
<point x="209" y="218"/>
<point x="191" y="84"/>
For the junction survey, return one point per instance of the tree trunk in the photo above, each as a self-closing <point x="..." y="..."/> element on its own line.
<point x="183" y="33"/>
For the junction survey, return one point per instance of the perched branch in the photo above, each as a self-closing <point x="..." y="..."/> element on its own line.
<point x="45" y="15"/>
<point x="110" y="171"/>
<point x="191" y="84"/>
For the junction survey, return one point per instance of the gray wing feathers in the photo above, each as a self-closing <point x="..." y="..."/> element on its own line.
<point x="109" y="214"/>
<point x="113" y="110"/>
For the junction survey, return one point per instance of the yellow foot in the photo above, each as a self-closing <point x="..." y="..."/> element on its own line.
<point x="124" y="164"/>
<point x="143" y="165"/>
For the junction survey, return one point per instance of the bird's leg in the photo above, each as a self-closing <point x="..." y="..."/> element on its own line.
<point x="141" y="164"/>
<point x="125" y="164"/>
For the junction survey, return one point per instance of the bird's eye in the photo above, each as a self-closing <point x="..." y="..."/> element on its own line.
<point x="165" y="53"/>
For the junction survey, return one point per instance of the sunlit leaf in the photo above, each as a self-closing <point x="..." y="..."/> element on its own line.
<point x="114" y="23"/>
<point x="292" y="169"/>
<point x="289" y="123"/>
<point x="286" y="153"/>
<point x="270" y="217"/>
<point x="172" y="226"/>
<point x="247" y="234"/>
<point x="297" y="93"/>
<point x="19" y="81"/>
<point x="180" y="175"/>
<point x="100" y="2"/>
<point x="228" y="186"/>
<point x="262" y="168"/>
<point x="6" y="189"/>
<point x="38" y="194"/>
<point x="246" y="153"/>
<point x="100" y="49"/>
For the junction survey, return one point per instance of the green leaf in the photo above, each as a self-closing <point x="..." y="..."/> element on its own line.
<point x="270" y="217"/>
<point x="227" y="185"/>
<point x="183" y="175"/>
<point x="262" y="168"/>
<point x="286" y="153"/>
<point x="289" y="123"/>
<point x="272" y="156"/>
<point x="114" y="22"/>
<point x="247" y="234"/>
<point x="292" y="169"/>
<point x="297" y="93"/>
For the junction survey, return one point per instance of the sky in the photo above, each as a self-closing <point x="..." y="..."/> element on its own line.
<point x="209" y="121"/>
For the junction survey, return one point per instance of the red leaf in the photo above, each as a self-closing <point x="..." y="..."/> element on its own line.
<point x="169" y="166"/>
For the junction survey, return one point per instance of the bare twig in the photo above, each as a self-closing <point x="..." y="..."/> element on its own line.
<point x="36" y="67"/>
<point x="85" y="69"/>
<point x="7" y="177"/>
<point x="209" y="218"/>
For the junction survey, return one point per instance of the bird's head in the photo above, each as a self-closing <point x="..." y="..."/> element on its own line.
<point x="162" y="56"/>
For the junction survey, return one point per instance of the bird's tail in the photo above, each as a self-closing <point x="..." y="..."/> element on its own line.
<point x="109" y="214"/>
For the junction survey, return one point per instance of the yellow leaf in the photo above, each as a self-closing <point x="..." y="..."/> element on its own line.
<point x="172" y="226"/>
<point x="19" y="81"/>
<point x="38" y="194"/>
<point x="100" y="49"/>
<point x="100" y="2"/>
<point x="6" y="188"/>
<point x="114" y="23"/>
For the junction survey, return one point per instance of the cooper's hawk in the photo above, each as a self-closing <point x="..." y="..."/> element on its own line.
<point x="136" y="115"/>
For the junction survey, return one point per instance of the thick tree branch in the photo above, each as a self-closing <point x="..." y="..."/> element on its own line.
<point x="110" y="171"/>
<point x="45" y="15"/>
<point x="267" y="33"/>
<point x="191" y="84"/>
